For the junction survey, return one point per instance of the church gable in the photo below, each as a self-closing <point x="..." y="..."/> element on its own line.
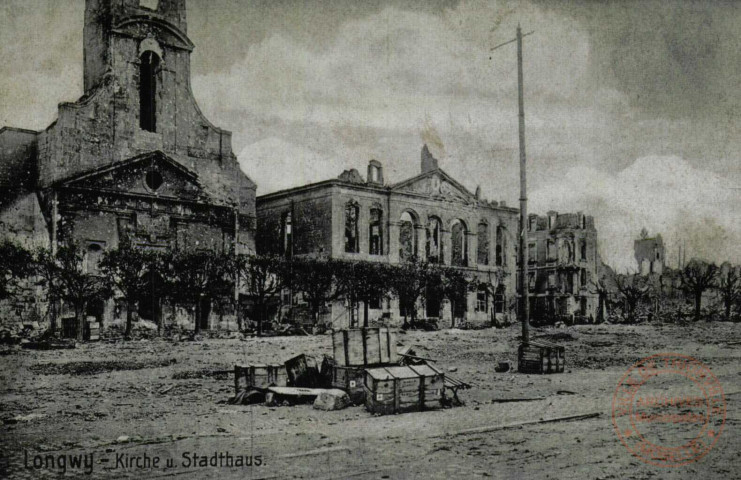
<point x="151" y="174"/>
<point x="436" y="184"/>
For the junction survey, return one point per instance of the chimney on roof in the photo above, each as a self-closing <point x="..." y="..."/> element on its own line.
<point x="375" y="172"/>
<point x="429" y="163"/>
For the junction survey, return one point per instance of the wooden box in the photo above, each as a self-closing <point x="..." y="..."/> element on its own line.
<point x="351" y="380"/>
<point x="540" y="357"/>
<point x="259" y="376"/>
<point x="403" y="389"/>
<point x="364" y="346"/>
<point x="301" y="374"/>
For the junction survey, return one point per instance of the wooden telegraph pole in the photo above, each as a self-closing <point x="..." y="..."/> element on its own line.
<point x="524" y="310"/>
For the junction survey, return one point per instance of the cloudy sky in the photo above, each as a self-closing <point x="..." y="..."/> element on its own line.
<point x="633" y="108"/>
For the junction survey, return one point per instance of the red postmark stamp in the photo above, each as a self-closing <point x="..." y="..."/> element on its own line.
<point x="669" y="410"/>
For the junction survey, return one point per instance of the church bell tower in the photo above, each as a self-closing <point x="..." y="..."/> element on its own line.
<point x="112" y="25"/>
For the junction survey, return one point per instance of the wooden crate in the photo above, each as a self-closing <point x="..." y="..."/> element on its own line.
<point x="351" y="380"/>
<point x="403" y="389"/>
<point x="359" y="347"/>
<point x="302" y="373"/>
<point x="541" y="357"/>
<point x="259" y="377"/>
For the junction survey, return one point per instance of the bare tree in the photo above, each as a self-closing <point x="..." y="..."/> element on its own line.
<point x="126" y="267"/>
<point x="262" y="277"/>
<point x="697" y="277"/>
<point x="729" y="287"/>
<point x="77" y="286"/>
<point x="633" y="288"/>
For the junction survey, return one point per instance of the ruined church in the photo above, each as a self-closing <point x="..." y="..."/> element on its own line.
<point x="134" y="157"/>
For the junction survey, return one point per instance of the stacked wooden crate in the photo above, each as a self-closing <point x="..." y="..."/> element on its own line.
<point x="351" y="380"/>
<point x="403" y="389"/>
<point x="359" y="347"/>
<point x="356" y="349"/>
<point x="541" y="357"/>
<point x="259" y="377"/>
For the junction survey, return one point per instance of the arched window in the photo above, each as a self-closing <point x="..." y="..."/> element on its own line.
<point x="286" y="234"/>
<point x="482" y="250"/>
<point x="148" y="69"/>
<point x="434" y="244"/>
<point x="583" y="249"/>
<point x="376" y="232"/>
<point x="351" y="227"/>
<point x="501" y="252"/>
<point x="92" y="258"/>
<point x="407" y="237"/>
<point x="459" y="250"/>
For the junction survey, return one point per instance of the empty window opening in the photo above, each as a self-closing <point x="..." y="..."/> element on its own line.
<point x="433" y="245"/>
<point x="153" y="179"/>
<point x="376" y="232"/>
<point x="407" y="237"/>
<point x="482" y="253"/>
<point x="459" y="254"/>
<point x="351" y="228"/>
<point x="92" y="258"/>
<point x="500" y="250"/>
<point x="482" y="299"/>
<point x="148" y="69"/>
<point x="287" y="229"/>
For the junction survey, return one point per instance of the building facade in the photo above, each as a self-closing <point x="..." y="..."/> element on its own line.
<point x="430" y="217"/>
<point x="563" y="267"/>
<point x="134" y="157"/>
<point x="649" y="254"/>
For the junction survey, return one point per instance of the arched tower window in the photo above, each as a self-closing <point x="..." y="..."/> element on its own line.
<point x="148" y="68"/>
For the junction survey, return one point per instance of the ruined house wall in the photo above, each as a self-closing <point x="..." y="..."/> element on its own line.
<point x="311" y="223"/>
<point x="559" y="275"/>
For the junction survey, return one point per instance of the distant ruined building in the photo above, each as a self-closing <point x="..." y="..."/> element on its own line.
<point x="649" y="254"/>
<point x="133" y="158"/>
<point x="563" y="267"/>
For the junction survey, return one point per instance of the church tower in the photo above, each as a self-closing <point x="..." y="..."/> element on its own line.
<point x="112" y="27"/>
<point x="138" y="130"/>
<point x="133" y="159"/>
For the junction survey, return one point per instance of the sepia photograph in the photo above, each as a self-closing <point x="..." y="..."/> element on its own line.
<point x="370" y="239"/>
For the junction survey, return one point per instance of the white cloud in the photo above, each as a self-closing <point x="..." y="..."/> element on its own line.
<point x="664" y="194"/>
<point x="276" y="164"/>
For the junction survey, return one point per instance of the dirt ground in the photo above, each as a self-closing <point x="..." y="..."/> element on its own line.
<point x="159" y="399"/>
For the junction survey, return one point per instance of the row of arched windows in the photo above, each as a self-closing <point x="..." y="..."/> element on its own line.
<point x="409" y="247"/>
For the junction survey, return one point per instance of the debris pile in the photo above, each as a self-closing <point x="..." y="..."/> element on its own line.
<point x="365" y="368"/>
